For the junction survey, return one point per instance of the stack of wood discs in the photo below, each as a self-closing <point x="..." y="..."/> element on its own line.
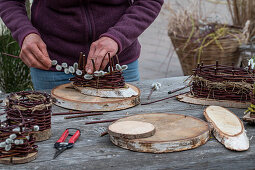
<point x="17" y="142"/>
<point x="159" y="132"/>
<point x="32" y="105"/>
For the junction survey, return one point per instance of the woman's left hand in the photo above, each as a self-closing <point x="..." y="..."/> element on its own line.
<point x="98" y="52"/>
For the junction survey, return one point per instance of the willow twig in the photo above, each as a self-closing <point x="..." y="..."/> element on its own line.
<point x="163" y="99"/>
<point x="84" y="115"/>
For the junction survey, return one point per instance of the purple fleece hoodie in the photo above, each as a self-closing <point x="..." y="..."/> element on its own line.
<point x="70" y="26"/>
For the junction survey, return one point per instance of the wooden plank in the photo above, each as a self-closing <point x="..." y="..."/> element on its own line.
<point x="92" y="151"/>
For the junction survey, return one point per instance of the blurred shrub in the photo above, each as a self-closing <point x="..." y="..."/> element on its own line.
<point x="14" y="74"/>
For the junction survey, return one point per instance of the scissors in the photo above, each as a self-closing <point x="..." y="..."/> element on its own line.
<point x="61" y="145"/>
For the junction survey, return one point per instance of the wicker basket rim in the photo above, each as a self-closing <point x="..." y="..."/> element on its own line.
<point x="171" y="34"/>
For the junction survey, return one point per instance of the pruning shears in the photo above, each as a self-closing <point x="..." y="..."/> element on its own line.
<point x="61" y="145"/>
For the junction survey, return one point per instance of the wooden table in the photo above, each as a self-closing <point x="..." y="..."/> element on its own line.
<point x="94" y="152"/>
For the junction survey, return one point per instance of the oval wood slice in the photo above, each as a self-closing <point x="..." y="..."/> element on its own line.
<point x="188" y="98"/>
<point x="71" y="98"/>
<point x="227" y="128"/>
<point x="108" y="93"/>
<point x="174" y="132"/>
<point x="19" y="160"/>
<point x="131" y="129"/>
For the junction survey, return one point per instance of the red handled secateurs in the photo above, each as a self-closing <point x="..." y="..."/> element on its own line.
<point x="61" y="145"/>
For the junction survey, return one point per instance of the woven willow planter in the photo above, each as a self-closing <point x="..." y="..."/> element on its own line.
<point x="189" y="56"/>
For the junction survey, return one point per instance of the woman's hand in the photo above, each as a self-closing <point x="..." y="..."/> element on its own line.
<point x="34" y="53"/>
<point x="98" y="51"/>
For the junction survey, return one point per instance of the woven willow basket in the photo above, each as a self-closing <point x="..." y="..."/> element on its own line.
<point x="189" y="56"/>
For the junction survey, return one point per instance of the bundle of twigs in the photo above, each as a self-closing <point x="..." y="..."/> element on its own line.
<point x="31" y="105"/>
<point x="222" y="82"/>
<point x="241" y="11"/>
<point x="16" y="138"/>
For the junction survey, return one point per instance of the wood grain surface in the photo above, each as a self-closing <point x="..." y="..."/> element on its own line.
<point x="228" y="129"/>
<point x="131" y="129"/>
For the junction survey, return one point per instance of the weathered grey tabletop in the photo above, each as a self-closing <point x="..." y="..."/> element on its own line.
<point x="94" y="152"/>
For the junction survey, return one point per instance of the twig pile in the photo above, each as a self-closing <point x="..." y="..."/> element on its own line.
<point x="241" y="11"/>
<point x="222" y="82"/>
<point x="16" y="138"/>
<point x="31" y="105"/>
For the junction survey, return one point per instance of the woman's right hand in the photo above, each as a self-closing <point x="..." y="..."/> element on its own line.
<point x="34" y="52"/>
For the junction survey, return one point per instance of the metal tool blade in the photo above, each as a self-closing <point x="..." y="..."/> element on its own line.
<point x="58" y="152"/>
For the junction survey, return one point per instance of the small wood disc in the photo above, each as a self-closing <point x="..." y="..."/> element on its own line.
<point x="42" y="135"/>
<point x="131" y="129"/>
<point x="19" y="160"/>
<point x="188" y="98"/>
<point x="249" y="119"/>
<point x="174" y="132"/>
<point x="71" y="98"/>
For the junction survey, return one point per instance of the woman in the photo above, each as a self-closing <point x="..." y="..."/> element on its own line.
<point x="61" y="29"/>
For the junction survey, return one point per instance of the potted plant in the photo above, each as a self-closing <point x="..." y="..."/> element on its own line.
<point x="196" y="39"/>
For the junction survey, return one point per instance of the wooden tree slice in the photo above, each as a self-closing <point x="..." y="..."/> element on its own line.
<point x="19" y="160"/>
<point x="131" y="129"/>
<point x="188" y="98"/>
<point x="174" y="132"/>
<point x="72" y="99"/>
<point x="108" y="93"/>
<point x="42" y="135"/>
<point x="227" y="128"/>
<point x="249" y="119"/>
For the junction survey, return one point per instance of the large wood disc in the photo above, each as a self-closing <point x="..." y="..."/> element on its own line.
<point x="188" y="98"/>
<point x="131" y="129"/>
<point x="174" y="132"/>
<point x="19" y="160"/>
<point x="72" y="99"/>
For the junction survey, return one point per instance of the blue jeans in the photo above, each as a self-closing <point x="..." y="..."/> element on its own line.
<point x="43" y="79"/>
